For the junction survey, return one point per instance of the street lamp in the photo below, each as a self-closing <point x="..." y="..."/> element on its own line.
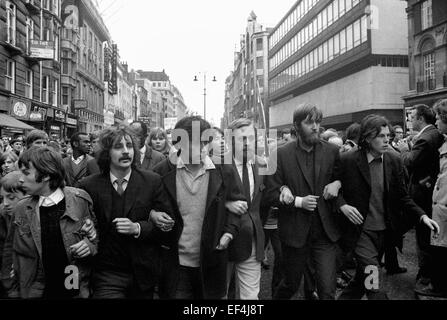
<point x="204" y="92"/>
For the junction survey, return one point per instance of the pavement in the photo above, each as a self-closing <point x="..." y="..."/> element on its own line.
<point x="398" y="287"/>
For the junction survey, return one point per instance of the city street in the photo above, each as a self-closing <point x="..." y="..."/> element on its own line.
<point x="399" y="287"/>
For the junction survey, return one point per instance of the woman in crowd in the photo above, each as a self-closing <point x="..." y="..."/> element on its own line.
<point x="8" y="163"/>
<point x="158" y="140"/>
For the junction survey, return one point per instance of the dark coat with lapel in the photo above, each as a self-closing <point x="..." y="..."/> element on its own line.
<point x="144" y="192"/>
<point x="251" y="225"/>
<point x="73" y="180"/>
<point x="422" y="162"/>
<point x="151" y="158"/>
<point x="294" y="223"/>
<point x="217" y="221"/>
<point x="400" y="210"/>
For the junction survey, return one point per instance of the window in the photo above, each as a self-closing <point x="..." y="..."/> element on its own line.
<point x="429" y="67"/>
<point x="343" y="41"/>
<point x="56" y="47"/>
<point x="330" y="15"/>
<point x="65" y="96"/>
<point x="357" y="39"/>
<point x="320" y="55"/>
<point x="325" y="52"/>
<point x="342" y="8"/>
<point x="336" y="45"/>
<point x="336" y="10"/>
<point x="46" y="4"/>
<point x="10" y="75"/>
<point x="348" y="5"/>
<point x="259" y="44"/>
<point x="29" y="84"/>
<point x="364" y="27"/>
<point x="331" y="48"/>
<point x="324" y="14"/>
<point x="45" y="93"/>
<point x="349" y="38"/>
<point x="29" y="33"/>
<point x="65" y="66"/>
<point x="426" y="14"/>
<point x="56" y="7"/>
<point x="11" y="23"/>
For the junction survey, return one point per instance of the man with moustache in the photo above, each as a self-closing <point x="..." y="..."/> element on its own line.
<point x="128" y="203"/>
<point x="300" y="189"/>
<point x="375" y="206"/>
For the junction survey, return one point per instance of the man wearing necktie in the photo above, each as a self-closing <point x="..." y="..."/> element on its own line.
<point x="149" y="157"/>
<point x="374" y="202"/>
<point x="246" y="251"/>
<point x="133" y="221"/>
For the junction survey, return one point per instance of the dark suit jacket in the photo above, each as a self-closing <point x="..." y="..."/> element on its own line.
<point x="251" y="225"/>
<point x="217" y="221"/>
<point x="151" y="158"/>
<point x="401" y="211"/>
<point x="422" y="161"/>
<point x="294" y="223"/>
<point x="144" y="193"/>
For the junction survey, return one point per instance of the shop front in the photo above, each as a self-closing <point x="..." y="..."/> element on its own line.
<point x="71" y="125"/>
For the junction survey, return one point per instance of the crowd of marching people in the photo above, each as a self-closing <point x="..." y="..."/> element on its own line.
<point x="134" y="212"/>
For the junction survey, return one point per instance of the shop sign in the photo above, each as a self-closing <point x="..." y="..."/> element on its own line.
<point x="20" y="110"/>
<point x="55" y="128"/>
<point x="59" y="115"/>
<point x="37" y="113"/>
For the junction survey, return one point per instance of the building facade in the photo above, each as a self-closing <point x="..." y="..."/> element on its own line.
<point x="30" y="64"/>
<point x="246" y="88"/>
<point x="180" y="108"/>
<point x="83" y="36"/>
<point x="427" y="52"/>
<point x="349" y="57"/>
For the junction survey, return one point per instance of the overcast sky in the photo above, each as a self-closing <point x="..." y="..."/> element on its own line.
<point x="186" y="37"/>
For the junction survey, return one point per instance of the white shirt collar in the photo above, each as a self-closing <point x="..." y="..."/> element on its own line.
<point x="126" y="177"/>
<point x="370" y="157"/>
<point x="53" y="199"/>
<point x="79" y="159"/>
<point x="143" y="150"/>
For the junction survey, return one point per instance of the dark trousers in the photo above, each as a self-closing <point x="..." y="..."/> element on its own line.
<point x="109" y="284"/>
<point x="272" y="235"/>
<point x="369" y="249"/>
<point x="424" y="251"/>
<point x="189" y="284"/>
<point x="322" y="253"/>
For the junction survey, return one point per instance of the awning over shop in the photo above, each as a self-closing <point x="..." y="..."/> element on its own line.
<point x="7" y="121"/>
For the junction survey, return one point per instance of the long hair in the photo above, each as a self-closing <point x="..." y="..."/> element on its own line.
<point x="11" y="182"/>
<point x="370" y="128"/>
<point x="159" y="133"/>
<point x="9" y="154"/>
<point x="47" y="162"/>
<point x="107" y="139"/>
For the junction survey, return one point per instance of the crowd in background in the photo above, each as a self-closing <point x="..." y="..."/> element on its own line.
<point x="140" y="215"/>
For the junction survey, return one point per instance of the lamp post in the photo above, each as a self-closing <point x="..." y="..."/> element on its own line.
<point x="204" y="92"/>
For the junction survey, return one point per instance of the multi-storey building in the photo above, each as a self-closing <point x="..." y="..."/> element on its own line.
<point x="83" y="64"/>
<point x="349" y="57"/>
<point x="161" y="83"/>
<point x="29" y="64"/>
<point x="179" y="104"/>
<point x="251" y="66"/>
<point x="427" y="43"/>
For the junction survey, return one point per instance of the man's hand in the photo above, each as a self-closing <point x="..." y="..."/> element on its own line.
<point x="162" y="220"/>
<point x="125" y="226"/>
<point x="310" y="203"/>
<point x="224" y="242"/>
<point x="431" y="224"/>
<point x="403" y="146"/>
<point x="237" y="207"/>
<point x="286" y="197"/>
<point x="88" y="229"/>
<point x="352" y="214"/>
<point x="331" y="190"/>
<point x="80" y="250"/>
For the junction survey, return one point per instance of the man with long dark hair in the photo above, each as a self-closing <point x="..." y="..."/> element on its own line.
<point x="130" y="235"/>
<point x="376" y="206"/>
